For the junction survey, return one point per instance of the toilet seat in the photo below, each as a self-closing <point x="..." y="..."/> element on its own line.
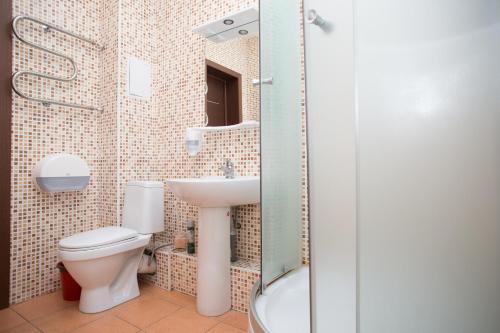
<point x="100" y="243"/>
<point x="97" y="238"/>
<point x="96" y="247"/>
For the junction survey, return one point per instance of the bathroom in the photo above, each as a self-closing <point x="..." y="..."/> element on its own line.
<point x="259" y="166"/>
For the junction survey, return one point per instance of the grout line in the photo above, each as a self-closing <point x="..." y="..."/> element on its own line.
<point x="38" y="317"/>
<point x="218" y="320"/>
<point x="20" y="315"/>
<point x="85" y="324"/>
<point x="26" y="321"/>
<point x="218" y="323"/>
<point x="229" y="324"/>
<point x="30" y="324"/>
<point x="126" y="321"/>
<point x="35" y="327"/>
<point x="168" y="315"/>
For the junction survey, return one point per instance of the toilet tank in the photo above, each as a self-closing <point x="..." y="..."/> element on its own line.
<point x="143" y="209"/>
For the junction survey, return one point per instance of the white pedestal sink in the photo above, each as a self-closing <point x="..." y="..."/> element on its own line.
<point x="215" y="196"/>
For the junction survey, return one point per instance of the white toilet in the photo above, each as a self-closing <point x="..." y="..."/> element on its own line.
<point x="104" y="261"/>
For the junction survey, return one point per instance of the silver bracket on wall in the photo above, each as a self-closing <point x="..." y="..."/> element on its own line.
<point x="256" y="82"/>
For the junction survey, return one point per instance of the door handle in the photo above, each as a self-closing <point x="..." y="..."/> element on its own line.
<point x="314" y="18"/>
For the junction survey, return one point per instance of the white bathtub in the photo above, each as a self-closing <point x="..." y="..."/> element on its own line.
<point x="284" y="306"/>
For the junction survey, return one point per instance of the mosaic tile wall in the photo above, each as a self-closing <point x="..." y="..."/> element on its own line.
<point x="178" y="272"/>
<point x="39" y="220"/>
<point x="138" y="119"/>
<point x="181" y="104"/>
<point x="181" y="101"/>
<point x="108" y="127"/>
<point x="181" y="57"/>
<point x="132" y="139"/>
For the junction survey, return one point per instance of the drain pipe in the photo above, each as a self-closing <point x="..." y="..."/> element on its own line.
<point x="147" y="264"/>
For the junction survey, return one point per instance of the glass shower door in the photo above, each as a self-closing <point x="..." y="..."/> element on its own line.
<point x="280" y="137"/>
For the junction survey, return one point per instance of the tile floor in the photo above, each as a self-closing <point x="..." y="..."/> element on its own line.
<point x="156" y="310"/>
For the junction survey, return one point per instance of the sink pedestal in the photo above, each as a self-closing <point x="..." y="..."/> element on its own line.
<point x="215" y="196"/>
<point x="214" y="266"/>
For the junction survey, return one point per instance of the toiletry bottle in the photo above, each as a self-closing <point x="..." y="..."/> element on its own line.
<point x="233" y="240"/>
<point x="190" y="244"/>
<point x="180" y="240"/>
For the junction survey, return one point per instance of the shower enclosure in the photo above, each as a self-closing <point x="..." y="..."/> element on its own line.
<point x="281" y="139"/>
<point x="282" y="168"/>
<point x="403" y="127"/>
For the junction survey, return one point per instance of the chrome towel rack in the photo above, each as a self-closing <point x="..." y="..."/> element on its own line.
<point x="48" y="27"/>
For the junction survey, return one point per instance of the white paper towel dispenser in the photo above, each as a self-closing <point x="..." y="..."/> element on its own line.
<point x="60" y="173"/>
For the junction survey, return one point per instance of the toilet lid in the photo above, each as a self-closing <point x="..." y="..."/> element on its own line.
<point x="97" y="237"/>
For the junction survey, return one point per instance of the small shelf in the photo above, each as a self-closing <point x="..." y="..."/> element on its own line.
<point x="194" y="135"/>
<point x="245" y="124"/>
<point x="242" y="264"/>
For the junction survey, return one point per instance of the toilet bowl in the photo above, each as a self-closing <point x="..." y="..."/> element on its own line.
<point x="104" y="261"/>
<point x="106" y="271"/>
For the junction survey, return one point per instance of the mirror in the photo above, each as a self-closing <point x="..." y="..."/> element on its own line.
<point x="232" y="63"/>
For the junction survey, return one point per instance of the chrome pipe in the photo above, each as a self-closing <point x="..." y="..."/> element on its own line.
<point x="47" y="27"/>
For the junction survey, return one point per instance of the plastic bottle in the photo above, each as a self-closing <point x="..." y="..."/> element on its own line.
<point x="190" y="242"/>
<point x="233" y="240"/>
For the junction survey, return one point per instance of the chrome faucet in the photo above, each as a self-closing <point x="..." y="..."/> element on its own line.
<point x="228" y="169"/>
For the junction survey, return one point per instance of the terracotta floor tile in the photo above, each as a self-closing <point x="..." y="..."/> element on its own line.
<point x="184" y="300"/>
<point x="235" y="319"/>
<point x="224" y="328"/>
<point x="144" y="311"/>
<point x="183" y="321"/>
<point x="107" y="324"/>
<point x="9" y="319"/>
<point x="65" y="320"/>
<point x="42" y="305"/>
<point x="23" y="328"/>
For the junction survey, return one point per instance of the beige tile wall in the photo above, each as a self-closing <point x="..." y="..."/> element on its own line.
<point x="108" y="127"/>
<point x="181" y="101"/>
<point x="138" y="119"/>
<point x="39" y="220"/>
<point x="177" y="271"/>
<point x="132" y="139"/>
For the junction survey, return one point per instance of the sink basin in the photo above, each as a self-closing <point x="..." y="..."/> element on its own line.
<point x="216" y="191"/>
<point x="215" y="196"/>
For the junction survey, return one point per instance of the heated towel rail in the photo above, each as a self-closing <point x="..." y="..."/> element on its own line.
<point x="48" y="27"/>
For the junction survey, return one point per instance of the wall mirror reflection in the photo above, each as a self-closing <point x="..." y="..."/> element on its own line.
<point x="232" y="68"/>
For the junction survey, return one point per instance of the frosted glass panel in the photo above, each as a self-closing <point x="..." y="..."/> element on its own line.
<point x="429" y="166"/>
<point x="280" y="137"/>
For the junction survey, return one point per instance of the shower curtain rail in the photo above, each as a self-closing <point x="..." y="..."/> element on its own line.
<point x="46" y="28"/>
